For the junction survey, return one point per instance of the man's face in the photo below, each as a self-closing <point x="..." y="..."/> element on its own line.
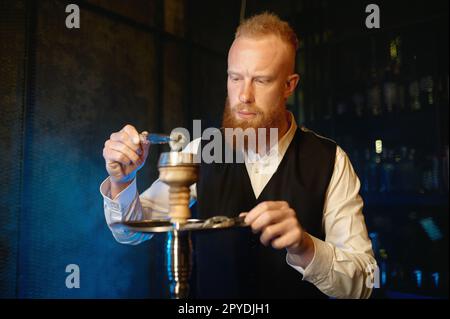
<point x="259" y="82"/>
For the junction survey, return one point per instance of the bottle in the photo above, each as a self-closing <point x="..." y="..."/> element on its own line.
<point x="396" y="53"/>
<point x="413" y="180"/>
<point x="425" y="66"/>
<point x="374" y="90"/>
<point x="427" y="91"/>
<point x="402" y="170"/>
<point x="435" y="172"/>
<point x="414" y="87"/>
<point x="389" y="91"/>
<point x="375" y="170"/>
<point x="365" y="186"/>
<point x="445" y="169"/>
<point x="387" y="170"/>
<point x="396" y="160"/>
<point x="390" y="79"/>
<point x="383" y="187"/>
<point x="381" y="256"/>
<point x="358" y="82"/>
<point x="358" y="102"/>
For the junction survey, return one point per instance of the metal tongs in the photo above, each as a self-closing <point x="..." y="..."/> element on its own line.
<point x="223" y="222"/>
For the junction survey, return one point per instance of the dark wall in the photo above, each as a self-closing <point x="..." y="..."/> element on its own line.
<point x="12" y="89"/>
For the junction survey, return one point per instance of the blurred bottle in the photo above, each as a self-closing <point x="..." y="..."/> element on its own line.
<point x="427" y="91"/>
<point x="396" y="181"/>
<point x="435" y="172"/>
<point x="417" y="275"/>
<point x="375" y="172"/>
<point x="356" y="162"/>
<point x="400" y="172"/>
<point x="436" y="282"/>
<point x="381" y="257"/>
<point x="342" y="108"/>
<point x="413" y="172"/>
<point x="382" y="187"/>
<point x="387" y="171"/>
<point x="361" y="75"/>
<point x="425" y="68"/>
<point x="374" y="96"/>
<point x="374" y="89"/>
<point x="445" y="167"/>
<point x="413" y="86"/>
<point x="391" y="81"/>
<point x="358" y="102"/>
<point x="365" y="187"/>
<point x="372" y="170"/>
<point x="389" y="91"/>
<point x="430" y="174"/>
<point x="398" y="71"/>
<point x="406" y="174"/>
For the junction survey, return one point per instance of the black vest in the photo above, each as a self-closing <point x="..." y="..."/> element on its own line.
<point x="233" y="263"/>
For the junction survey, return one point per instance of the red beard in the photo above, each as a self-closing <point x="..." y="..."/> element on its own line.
<point x="272" y="119"/>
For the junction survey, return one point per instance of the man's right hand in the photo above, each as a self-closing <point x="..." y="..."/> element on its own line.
<point x="124" y="155"/>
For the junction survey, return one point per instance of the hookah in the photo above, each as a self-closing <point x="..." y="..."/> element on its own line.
<point x="179" y="171"/>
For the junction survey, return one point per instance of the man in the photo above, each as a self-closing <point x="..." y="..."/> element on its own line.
<point x="306" y="213"/>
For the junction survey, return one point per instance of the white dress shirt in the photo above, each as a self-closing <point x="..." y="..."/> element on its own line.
<point x="341" y="264"/>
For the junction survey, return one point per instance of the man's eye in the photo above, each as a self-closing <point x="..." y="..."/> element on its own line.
<point x="234" y="79"/>
<point x="261" y="81"/>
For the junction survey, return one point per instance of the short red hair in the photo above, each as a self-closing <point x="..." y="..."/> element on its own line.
<point x="268" y="24"/>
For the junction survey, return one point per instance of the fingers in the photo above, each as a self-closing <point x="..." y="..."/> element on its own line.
<point x="270" y="217"/>
<point x="262" y="207"/>
<point x="132" y="133"/>
<point x="145" y="148"/>
<point x="124" y="153"/>
<point x="273" y="231"/>
<point x="124" y="138"/>
<point x="277" y="223"/>
<point x="129" y="139"/>
<point x="125" y="150"/>
<point x="290" y="239"/>
<point x="111" y="156"/>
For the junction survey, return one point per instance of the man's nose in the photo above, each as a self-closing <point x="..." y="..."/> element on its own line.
<point x="246" y="95"/>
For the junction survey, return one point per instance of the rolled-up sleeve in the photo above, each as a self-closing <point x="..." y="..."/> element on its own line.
<point x="342" y="264"/>
<point x="126" y="206"/>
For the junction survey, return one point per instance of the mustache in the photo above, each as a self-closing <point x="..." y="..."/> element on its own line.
<point x="247" y="108"/>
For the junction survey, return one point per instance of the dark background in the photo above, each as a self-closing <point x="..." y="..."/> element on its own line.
<point x="159" y="64"/>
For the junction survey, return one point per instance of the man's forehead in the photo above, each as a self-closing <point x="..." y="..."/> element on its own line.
<point x="270" y="44"/>
<point x="258" y="53"/>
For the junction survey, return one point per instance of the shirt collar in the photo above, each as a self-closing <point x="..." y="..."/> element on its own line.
<point x="281" y="147"/>
<point x="286" y="140"/>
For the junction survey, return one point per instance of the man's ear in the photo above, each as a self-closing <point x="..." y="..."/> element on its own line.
<point x="291" y="84"/>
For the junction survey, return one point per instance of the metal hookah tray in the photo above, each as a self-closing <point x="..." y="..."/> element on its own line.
<point x="163" y="225"/>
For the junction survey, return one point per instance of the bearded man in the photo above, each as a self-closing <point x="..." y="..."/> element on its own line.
<point x="307" y="234"/>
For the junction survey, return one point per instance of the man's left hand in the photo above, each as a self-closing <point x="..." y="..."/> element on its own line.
<point x="279" y="227"/>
